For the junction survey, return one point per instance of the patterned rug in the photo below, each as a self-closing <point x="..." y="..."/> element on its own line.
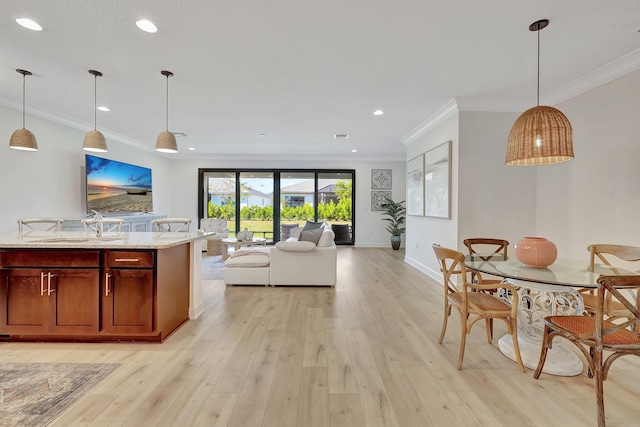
<point x="212" y="267"/>
<point x="33" y="394"/>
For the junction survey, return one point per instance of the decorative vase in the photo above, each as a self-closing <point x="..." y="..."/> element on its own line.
<point x="536" y="252"/>
<point x="395" y="242"/>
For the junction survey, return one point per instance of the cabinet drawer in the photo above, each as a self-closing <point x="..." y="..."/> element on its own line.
<point x="129" y="259"/>
<point x="49" y="258"/>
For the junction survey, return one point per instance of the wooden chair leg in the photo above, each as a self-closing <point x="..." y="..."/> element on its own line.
<point x="599" y="387"/>
<point x="447" y="313"/>
<point x="463" y="338"/>
<point x="543" y="352"/>
<point x="516" y="345"/>
<point x="488" y="322"/>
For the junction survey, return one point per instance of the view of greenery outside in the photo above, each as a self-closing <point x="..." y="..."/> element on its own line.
<point x="259" y="219"/>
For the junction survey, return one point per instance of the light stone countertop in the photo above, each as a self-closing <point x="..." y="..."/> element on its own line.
<point x="88" y="240"/>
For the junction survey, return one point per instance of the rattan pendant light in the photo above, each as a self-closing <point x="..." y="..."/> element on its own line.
<point x="94" y="139"/>
<point x="166" y="140"/>
<point x="541" y="135"/>
<point x="23" y="139"/>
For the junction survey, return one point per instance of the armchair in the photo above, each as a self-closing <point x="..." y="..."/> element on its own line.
<point x="213" y="244"/>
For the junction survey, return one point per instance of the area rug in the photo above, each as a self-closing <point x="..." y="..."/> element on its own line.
<point x="33" y="394"/>
<point x="212" y="267"/>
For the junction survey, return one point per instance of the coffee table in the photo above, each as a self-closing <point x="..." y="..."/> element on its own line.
<point x="237" y="244"/>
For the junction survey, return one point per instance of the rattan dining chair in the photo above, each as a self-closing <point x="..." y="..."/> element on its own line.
<point x="595" y="334"/>
<point x="171" y="225"/>
<point x="487" y="249"/>
<point x="606" y="254"/>
<point x="474" y="306"/>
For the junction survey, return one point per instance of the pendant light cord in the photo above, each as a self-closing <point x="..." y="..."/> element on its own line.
<point x="538" y="98"/>
<point x="95" y="102"/>
<point x="167" y="112"/>
<point x="24" y="77"/>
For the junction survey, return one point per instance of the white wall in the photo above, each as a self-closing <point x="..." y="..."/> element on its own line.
<point x="370" y="229"/>
<point x="595" y="198"/>
<point x="422" y="232"/>
<point x="50" y="182"/>
<point x="495" y="200"/>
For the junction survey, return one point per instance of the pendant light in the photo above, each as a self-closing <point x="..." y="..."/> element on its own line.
<point x="23" y="139"/>
<point x="166" y="140"/>
<point x="541" y="135"/>
<point x="94" y="139"/>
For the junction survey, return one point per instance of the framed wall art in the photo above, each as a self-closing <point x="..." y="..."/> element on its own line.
<point x="378" y="198"/>
<point x="381" y="179"/>
<point x="415" y="186"/>
<point x="437" y="181"/>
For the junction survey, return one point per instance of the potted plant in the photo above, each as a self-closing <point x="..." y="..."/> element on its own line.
<point x="395" y="215"/>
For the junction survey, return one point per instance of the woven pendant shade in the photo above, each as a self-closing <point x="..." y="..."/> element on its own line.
<point x="94" y="141"/>
<point x="23" y="139"/>
<point x="541" y="135"/>
<point x="166" y="142"/>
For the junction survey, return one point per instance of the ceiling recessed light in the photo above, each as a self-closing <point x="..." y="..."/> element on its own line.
<point x="29" y="23"/>
<point x="378" y="113"/>
<point x="103" y="108"/>
<point x="354" y="151"/>
<point x="341" y="136"/>
<point x="146" y="25"/>
<point x="180" y="134"/>
<point x="192" y="148"/>
<point x="262" y="135"/>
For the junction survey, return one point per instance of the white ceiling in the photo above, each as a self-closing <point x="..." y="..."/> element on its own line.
<point x="300" y="71"/>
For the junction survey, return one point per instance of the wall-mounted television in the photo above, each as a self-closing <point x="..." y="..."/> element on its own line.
<point x="114" y="186"/>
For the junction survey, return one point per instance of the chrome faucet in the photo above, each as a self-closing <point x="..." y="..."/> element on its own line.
<point x="97" y="220"/>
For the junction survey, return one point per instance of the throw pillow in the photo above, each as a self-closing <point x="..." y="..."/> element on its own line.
<point x="310" y="225"/>
<point x="311" y="235"/>
<point x="326" y="239"/>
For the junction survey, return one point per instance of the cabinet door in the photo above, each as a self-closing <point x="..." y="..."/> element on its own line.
<point x="24" y="303"/>
<point x="127" y="301"/>
<point x="73" y="301"/>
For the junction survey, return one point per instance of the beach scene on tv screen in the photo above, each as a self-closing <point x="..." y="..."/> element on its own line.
<point x="114" y="186"/>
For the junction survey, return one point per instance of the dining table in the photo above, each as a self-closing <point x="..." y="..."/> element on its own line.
<point x="552" y="290"/>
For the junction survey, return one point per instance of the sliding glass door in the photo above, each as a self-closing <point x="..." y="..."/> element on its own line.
<point x="272" y="202"/>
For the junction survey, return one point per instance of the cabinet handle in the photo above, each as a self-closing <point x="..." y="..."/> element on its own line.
<point x="106" y="284"/>
<point x="127" y="260"/>
<point x="49" y="275"/>
<point x="42" y="284"/>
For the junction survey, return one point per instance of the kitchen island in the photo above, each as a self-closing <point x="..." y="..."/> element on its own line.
<point x="75" y="286"/>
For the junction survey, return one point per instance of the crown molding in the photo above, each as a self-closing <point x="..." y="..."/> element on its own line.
<point x="611" y="71"/>
<point x="598" y="77"/>
<point x="446" y="111"/>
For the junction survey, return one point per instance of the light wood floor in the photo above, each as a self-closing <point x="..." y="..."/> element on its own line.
<point x="362" y="354"/>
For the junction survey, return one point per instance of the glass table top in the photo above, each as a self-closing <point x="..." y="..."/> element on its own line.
<point x="563" y="272"/>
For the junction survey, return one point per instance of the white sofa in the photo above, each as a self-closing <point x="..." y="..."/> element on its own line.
<point x="291" y="263"/>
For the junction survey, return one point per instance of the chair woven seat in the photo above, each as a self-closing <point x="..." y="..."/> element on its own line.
<point x="594" y="334"/>
<point x="581" y="325"/>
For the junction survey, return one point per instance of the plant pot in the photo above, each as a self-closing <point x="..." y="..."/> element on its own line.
<point x="395" y="242"/>
<point x="536" y="252"/>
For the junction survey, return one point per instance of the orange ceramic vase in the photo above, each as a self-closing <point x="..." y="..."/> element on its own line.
<point x="536" y="252"/>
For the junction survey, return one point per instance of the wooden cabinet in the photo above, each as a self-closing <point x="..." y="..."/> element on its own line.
<point x="127" y="292"/>
<point x="93" y="294"/>
<point x="37" y="297"/>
